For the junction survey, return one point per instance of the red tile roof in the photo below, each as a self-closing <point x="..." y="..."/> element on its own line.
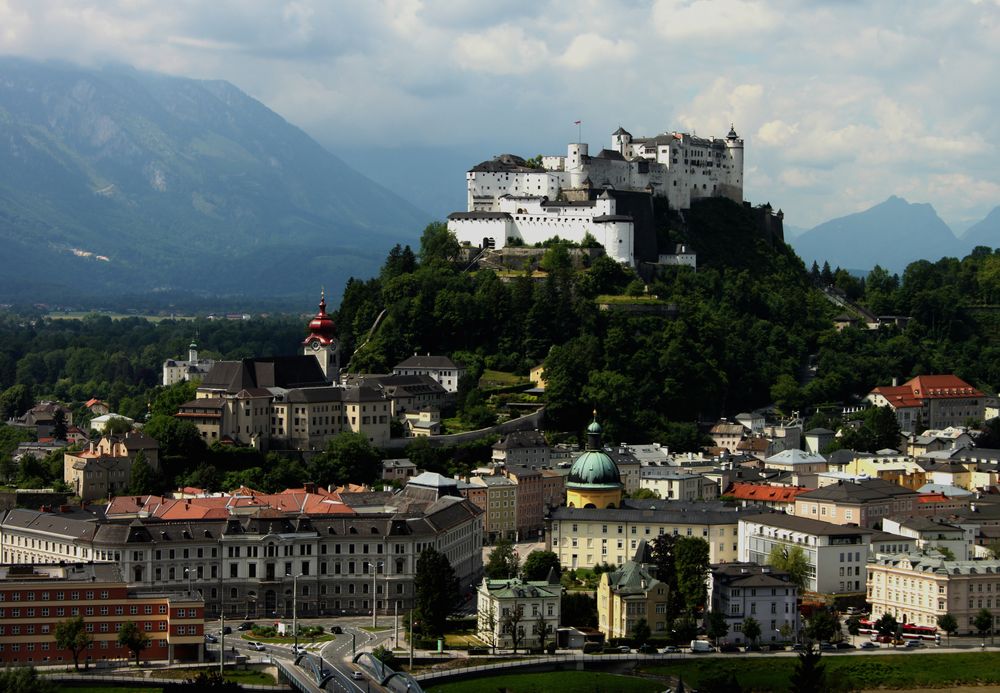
<point x="764" y="493"/>
<point x="913" y="392"/>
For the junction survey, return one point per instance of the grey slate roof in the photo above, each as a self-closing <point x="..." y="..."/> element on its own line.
<point x="858" y="492"/>
<point x="426" y="361"/>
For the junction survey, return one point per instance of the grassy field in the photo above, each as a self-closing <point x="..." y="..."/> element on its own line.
<point x="554" y="682"/>
<point x="909" y="670"/>
<point x="105" y="688"/>
<point x="285" y="639"/>
<point x="462" y="640"/>
<point x="492" y="378"/>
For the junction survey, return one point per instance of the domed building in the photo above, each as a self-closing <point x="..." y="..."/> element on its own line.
<point x="594" y="480"/>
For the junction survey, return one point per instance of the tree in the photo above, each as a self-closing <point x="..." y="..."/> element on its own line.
<point x="822" y="626"/>
<point x="510" y="623"/>
<point x="809" y="675"/>
<point x="538" y="564"/>
<point x="645" y="494"/>
<point x="751" y="630"/>
<point x="792" y="561"/>
<point x="143" y="479"/>
<point x="436" y="592"/>
<point x="133" y="638"/>
<point x="983" y="622"/>
<point x="438" y="245"/>
<point x="16" y="400"/>
<point x="949" y="624"/>
<point x="487" y="630"/>
<point x="503" y="561"/>
<point x="349" y="457"/>
<point x="578" y="609"/>
<point x="692" y="571"/>
<point x="854" y="626"/>
<point x="684" y="630"/>
<point x="887" y="625"/>
<point x="542" y="629"/>
<point x="59" y="428"/>
<point x="716" y="626"/>
<point x="72" y="635"/>
<point x="116" y="426"/>
<point x="641" y="633"/>
<point x="24" y="680"/>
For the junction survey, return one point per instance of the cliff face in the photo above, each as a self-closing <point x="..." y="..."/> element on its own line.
<point x="138" y="181"/>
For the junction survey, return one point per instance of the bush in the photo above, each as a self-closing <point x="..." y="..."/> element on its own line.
<point x="264" y="631"/>
<point x="551" y="648"/>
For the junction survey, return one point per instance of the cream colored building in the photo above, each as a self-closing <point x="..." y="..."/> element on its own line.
<point x="105" y="467"/>
<point x="584" y="537"/>
<point x="529" y="609"/>
<point x="915" y="588"/>
<point x="630" y="594"/>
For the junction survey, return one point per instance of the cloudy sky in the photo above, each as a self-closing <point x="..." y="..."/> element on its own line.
<point x="841" y="103"/>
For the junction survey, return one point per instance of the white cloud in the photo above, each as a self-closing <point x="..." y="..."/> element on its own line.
<point x="689" y="20"/>
<point x="588" y="50"/>
<point x="501" y="50"/>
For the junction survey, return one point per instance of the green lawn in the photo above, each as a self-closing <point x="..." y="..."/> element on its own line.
<point x="907" y="670"/>
<point x="285" y="639"/>
<point x="491" y="378"/>
<point x="65" y="686"/>
<point x="553" y="682"/>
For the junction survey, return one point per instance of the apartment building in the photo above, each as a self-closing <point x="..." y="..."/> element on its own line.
<point x="836" y="554"/>
<point x="584" y="537"/>
<point x="35" y="598"/>
<point x="630" y="594"/>
<point x="861" y="502"/>
<point x="917" y="588"/>
<point x="351" y="550"/>
<point x="747" y="590"/>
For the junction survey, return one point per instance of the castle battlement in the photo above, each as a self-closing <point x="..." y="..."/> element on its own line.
<point x="513" y="199"/>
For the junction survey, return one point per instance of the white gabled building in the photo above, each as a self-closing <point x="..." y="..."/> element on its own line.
<point x="441" y="368"/>
<point x="746" y="590"/>
<point x="529" y="609"/>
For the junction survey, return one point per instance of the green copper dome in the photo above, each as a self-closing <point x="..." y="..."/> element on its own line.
<point x="594" y="469"/>
<point x="594" y="427"/>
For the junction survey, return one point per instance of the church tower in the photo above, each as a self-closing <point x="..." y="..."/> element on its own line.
<point x="322" y="342"/>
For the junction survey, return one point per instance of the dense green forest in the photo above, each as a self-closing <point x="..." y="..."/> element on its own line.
<point x="655" y="357"/>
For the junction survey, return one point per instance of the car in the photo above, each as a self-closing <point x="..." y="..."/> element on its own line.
<point x="337" y="630"/>
<point x="869" y="645"/>
<point x="298" y="649"/>
<point x="256" y="646"/>
<point x="226" y="631"/>
<point x="211" y="638"/>
<point x="728" y="647"/>
<point x="646" y="648"/>
<point x="844" y="646"/>
<point x="357" y="676"/>
<point x="798" y="647"/>
<point x="624" y="649"/>
<point x="826" y="646"/>
<point x="670" y="649"/>
<point x="246" y="625"/>
<point x="914" y="644"/>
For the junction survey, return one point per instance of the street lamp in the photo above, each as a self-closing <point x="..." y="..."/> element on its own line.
<point x="375" y="567"/>
<point x="295" y="613"/>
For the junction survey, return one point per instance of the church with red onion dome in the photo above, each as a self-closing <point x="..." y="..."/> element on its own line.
<point x="322" y="342"/>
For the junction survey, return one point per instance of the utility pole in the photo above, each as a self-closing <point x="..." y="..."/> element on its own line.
<point x="411" y="639"/>
<point x="222" y="618"/>
<point x="395" y="625"/>
<point x="375" y="567"/>
<point x="295" y="612"/>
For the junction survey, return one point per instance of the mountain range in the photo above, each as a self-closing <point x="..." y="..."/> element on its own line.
<point x="115" y="181"/>
<point x="892" y="234"/>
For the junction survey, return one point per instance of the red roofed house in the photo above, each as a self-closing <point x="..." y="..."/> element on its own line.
<point x="931" y="401"/>
<point x="777" y="497"/>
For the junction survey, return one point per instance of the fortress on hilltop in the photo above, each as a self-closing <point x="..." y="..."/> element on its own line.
<point x="514" y="201"/>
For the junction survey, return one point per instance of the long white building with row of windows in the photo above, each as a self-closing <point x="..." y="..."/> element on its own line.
<point x="350" y="551"/>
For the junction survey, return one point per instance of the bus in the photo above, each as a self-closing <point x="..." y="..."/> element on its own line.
<point x="912" y="631"/>
<point x="866" y="627"/>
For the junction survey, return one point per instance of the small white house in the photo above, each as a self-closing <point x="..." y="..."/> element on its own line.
<point x="528" y="608"/>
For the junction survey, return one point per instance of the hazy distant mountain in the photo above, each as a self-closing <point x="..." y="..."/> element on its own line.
<point x="792" y="231"/>
<point x="116" y="181"/>
<point x="985" y="232"/>
<point x="891" y="234"/>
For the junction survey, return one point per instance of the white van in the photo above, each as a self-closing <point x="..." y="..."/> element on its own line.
<point x="701" y="646"/>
